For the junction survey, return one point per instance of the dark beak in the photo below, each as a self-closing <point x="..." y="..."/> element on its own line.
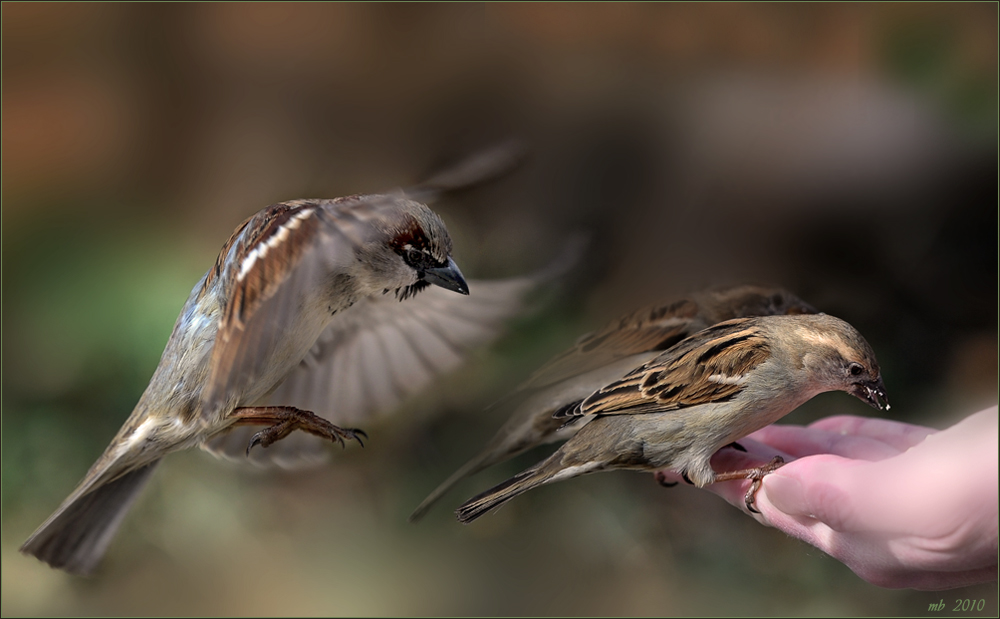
<point x="871" y="392"/>
<point x="448" y="277"/>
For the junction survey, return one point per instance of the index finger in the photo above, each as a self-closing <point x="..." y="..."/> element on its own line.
<point x="800" y="442"/>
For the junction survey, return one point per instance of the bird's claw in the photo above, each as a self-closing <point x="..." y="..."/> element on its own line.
<point x="352" y="434"/>
<point x="254" y="440"/>
<point x="757" y="475"/>
<point x="284" y="420"/>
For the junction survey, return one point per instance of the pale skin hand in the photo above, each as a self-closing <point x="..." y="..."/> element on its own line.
<point x="901" y="505"/>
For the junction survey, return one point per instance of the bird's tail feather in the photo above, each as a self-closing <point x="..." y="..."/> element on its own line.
<point x="501" y="493"/>
<point x="77" y="535"/>
<point x="471" y="467"/>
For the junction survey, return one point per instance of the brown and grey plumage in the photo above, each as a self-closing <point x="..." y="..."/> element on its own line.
<point x="323" y="305"/>
<point x="600" y="357"/>
<point x="706" y="392"/>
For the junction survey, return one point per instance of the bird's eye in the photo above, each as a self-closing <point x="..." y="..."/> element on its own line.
<point x="413" y="255"/>
<point x="855" y="369"/>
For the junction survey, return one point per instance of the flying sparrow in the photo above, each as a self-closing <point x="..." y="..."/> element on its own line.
<point x="301" y="309"/>
<point x="708" y="391"/>
<point x="604" y="355"/>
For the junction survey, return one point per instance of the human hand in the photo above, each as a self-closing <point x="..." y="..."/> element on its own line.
<point x="901" y="505"/>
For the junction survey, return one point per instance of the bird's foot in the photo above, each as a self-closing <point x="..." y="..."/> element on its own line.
<point x="757" y="475"/>
<point x="283" y="420"/>
<point x="661" y="478"/>
<point x="665" y="479"/>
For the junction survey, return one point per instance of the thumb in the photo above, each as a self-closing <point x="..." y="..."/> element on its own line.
<point x="825" y="487"/>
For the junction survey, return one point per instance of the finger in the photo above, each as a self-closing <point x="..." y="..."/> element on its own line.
<point x="900" y="435"/>
<point x="801" y="441"/>
<point x="756" y="454"/>
<point x="872" y="559"/>
<point x="840" y="492"/>
<point x="805" y="528"/>
<point x="855" y="495"/>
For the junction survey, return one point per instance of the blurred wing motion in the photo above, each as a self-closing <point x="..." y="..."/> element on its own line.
<point x="481" y="167"/>
<point x="543" y="404"/>
<point x="651" y="328"/>
<point x="379" y="352"/>
<point x="658" y="327"/>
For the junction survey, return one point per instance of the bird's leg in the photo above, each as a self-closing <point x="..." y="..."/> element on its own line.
<point x="661" y="478"/>
<point x="283" y="420"/>
<point x="756" y="474"/>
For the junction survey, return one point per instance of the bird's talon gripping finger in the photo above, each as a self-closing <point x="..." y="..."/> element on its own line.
<point x="757" y="475"/>
<point x="751" y="496"/>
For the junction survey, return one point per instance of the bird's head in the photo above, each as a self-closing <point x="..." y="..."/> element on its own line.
<point x="412" y="251"/>
<point x="841" y="359"/>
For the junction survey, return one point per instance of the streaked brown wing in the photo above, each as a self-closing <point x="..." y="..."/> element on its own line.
<point x="710" y="366"/>
<point x="273" y="262"/>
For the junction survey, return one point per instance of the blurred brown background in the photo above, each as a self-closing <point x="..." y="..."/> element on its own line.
<point x="848" y="153"/>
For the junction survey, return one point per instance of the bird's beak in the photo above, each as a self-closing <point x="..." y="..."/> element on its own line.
<point x="448" y="277"/>
<point x="872" y="392"/>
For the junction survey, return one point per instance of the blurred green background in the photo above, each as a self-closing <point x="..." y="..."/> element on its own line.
<point x="848" y="153"/>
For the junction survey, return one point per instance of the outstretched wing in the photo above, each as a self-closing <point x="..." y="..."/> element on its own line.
<point x="383" y="350"/>
<point x="379" y="352"/>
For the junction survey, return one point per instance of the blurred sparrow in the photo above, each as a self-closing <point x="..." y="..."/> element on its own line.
<point x="703" y="394"/>
<point x="301" y="311"/>
<point x="604" y="355"/>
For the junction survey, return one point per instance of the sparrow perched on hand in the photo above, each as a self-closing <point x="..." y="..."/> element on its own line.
<point x="708" y="391"/>
<point x="604" y="355"/>
<point x="301" y="309"/>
